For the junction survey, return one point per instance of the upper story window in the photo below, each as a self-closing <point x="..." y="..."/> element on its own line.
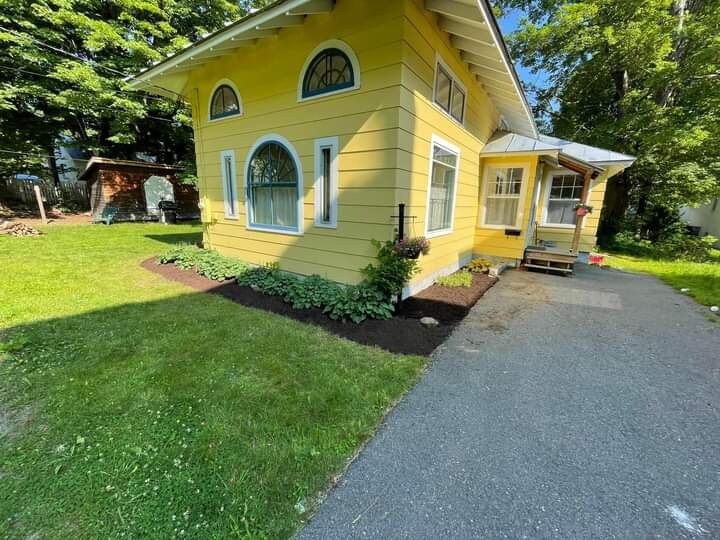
<point x="331" y="68"/>
<point x="274" y="186"/>
<point x="449" y="94"/>
<point x="564" y="195"/>
<point x="224" y="102"/>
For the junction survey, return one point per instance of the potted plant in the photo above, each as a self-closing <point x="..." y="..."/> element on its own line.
<point x="583" y="209"/>
<point x="412" y="248"/>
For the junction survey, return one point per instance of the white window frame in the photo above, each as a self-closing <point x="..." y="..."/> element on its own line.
<point x="453" y="149"/>
<point x="521" y="203"/>
<point x="333" y="144"/>
<point x="241" y="110"/>
<point x="546" y="199"/>
<point x="439" y="62"/>
<point x="273" y="137"/>
<point x="329" y="44"/>
<point x="230" y="195"/>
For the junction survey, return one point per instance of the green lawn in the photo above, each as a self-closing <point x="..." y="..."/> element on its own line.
<point x="131" y="406"/>
<point x="703" y="279"/>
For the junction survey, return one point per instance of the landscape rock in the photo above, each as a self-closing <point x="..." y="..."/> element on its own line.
<point x="429" y="321"/>
<point x="715" y="309"/>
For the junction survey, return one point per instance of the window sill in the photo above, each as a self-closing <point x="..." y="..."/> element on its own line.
<point x="302" y="99"/>
<point x="325" y="225"/>
<point x="224" y="118"/>
<point x="499" y="227"/>
<point x="234" y="218"/>
<point x="440" y="232"/>
<point x="556" y="226"/>
<point x="259" y="228"/>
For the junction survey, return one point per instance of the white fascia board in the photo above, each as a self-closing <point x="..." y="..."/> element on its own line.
<point x="248" y="24"/>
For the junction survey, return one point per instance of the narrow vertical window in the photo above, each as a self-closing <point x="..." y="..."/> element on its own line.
<point x="326" y="156"/>
<point x="229" y="189"/>
<point x="444" y="161"/>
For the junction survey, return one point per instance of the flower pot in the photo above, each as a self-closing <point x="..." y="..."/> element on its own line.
<point x="582" y="212"/>
<point x="412" y="255"/>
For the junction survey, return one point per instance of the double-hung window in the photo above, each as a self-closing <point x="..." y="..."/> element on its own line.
<point x="449" y="94"/>
<point x="326" y="180"/>
<point x="228" y="175"/>
<point x="503" y="191"/>
<point x="444" y="163"/>
<point x="564" y="195"/>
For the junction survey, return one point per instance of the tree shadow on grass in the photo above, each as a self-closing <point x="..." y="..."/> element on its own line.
<point x="177" y="238"/>
<point x="188" y="413"/>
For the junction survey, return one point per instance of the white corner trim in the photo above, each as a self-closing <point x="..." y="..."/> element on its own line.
<point x="436" y="140"/>
<point x="521" y="202"/>
<point x="218" y="84"/>
<point x="333" y="143"/>
<point x="229" y="183"/>
<point x="273" y="137"/>
<point x="329" y="44"/>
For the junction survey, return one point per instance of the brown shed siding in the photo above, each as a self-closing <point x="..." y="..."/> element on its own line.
<point x="123" y="187"/>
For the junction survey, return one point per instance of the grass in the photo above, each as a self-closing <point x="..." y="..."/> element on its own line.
<point x="703" y="279"/>
<point x="463" y="278"/>
<point x="133" y="407"/>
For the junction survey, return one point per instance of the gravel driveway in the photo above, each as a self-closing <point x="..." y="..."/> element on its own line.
<point x="585" y="407"/>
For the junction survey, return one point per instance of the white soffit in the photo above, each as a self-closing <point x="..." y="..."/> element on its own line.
<point x="169" y="76"/>
<point x="474" y="32"/>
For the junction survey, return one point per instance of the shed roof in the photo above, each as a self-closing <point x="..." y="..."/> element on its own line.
<point x="470" y="24"/>
<point x="507" y="143"/>
<point x="96" y="163"/>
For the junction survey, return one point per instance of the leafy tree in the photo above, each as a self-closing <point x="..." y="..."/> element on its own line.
<point x="46" y="94"/>
<point x="637" y="76"/>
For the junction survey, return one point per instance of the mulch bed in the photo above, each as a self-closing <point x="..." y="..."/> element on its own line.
<point x="402" y="334"/>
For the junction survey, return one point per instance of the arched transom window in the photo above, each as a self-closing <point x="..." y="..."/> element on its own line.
<point x="272" y="181"/>
<point x="224" y="102"/>
<point x="329" y="71"/>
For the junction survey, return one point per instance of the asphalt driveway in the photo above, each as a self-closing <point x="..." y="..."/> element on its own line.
<point x="585" y="407"/>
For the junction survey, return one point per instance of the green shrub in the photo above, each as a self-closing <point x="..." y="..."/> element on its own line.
<point x="675" y="246"/>
<point x="312" y="292"/>
<point x="392" y="270"/>
<point x="463" y="278"/>
<point x="481" y="266"/>
<point x="206" y="262"/>
<point x="360" y="302"/>
<point x="267" y="279"/>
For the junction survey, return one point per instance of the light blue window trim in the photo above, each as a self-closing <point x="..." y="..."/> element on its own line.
<point x="253" y="188"/>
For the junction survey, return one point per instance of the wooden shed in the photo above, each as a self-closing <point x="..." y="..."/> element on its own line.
<point x="136" y="187"/>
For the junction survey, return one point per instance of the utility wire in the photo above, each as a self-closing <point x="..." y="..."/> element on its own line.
<point x="79" y="58"/>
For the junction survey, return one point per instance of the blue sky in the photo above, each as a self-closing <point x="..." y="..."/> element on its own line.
<point x="508" y="23"/>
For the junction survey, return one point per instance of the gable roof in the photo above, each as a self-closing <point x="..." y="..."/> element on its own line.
<point x="471" y="25"/>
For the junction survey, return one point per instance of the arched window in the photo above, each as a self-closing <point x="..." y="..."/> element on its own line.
<point x="224" y="102"/>
<point x="329" y="71"/>
<point x="273" y="184"/>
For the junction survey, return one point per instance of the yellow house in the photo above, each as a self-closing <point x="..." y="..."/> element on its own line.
<point x="315" y="119"/>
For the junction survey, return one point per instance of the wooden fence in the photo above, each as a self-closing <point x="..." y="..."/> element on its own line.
<point x="70" y="193"/>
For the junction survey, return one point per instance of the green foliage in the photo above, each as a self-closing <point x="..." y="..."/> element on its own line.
<point x="359" y="302"/>
<point x="481" y="266"/>
<point x="206" y="262"/>
<point x="47" y="96"/>
<point x="678" y="246"/>
<point x="638" y="76"/>
<point x="463" y="278"/>
<point x="392" y="271"/>
<point x="355" y="303"/>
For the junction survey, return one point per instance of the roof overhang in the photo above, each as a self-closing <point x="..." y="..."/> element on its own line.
<point x="470" y="24"/>
<point x="263" y="23"/>
<point x="96" y="163"/>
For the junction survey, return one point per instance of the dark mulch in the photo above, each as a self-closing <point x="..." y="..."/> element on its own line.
<point x="402" y="334"/>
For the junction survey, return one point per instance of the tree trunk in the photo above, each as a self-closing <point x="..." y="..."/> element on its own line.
<point x="614" y="208"/>
<point x="52" y="164"/>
